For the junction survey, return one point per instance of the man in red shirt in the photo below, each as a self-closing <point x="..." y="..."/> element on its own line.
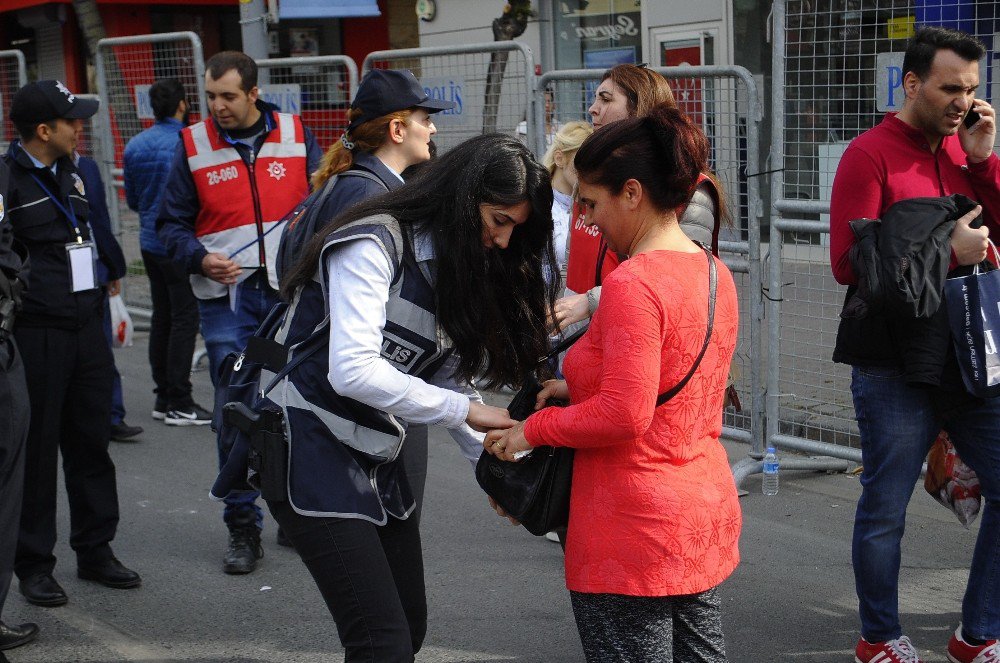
<point x="924" y="150"/>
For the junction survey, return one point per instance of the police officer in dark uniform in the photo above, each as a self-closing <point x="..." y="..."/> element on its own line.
<point x="67" y="359"/>
<point x="13" y="417"/>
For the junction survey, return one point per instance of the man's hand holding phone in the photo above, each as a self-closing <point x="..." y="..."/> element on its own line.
<point x="978" y="131"/>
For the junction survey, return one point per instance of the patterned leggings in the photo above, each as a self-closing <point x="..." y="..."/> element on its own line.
<point x="633" y="629"/>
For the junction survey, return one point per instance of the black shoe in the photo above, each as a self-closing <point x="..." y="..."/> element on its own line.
<point x="244" y="549"/>
<point x="110" y="573"/>
<point x="42" y="589"/>
<point x="192" y="415"/>
<point x="15" y="636"/>
<point x="122" y="432"/>
<point x="283" y="540"/>
<point x="160" y="410"/>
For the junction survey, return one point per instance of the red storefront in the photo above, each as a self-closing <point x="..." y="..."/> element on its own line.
<point x="50" y="35"/>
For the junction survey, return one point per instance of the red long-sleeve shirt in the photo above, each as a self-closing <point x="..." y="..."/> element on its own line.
<point x="893" y="162"/>
<point x="653" y="510"/>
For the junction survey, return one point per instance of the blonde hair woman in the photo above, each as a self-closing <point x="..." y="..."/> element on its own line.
<point x="558" y="160"/>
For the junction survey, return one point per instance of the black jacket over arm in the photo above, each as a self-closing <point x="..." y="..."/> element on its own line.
<point x="894" y="317"/>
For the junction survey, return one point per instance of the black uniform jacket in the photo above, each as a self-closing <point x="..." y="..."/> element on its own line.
<point x="45" y="230"/>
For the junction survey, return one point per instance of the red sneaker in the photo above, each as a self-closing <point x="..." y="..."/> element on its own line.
<point x="960" y="651"/>
<point x="900" y="650"/>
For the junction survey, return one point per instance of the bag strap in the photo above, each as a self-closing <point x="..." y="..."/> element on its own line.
<point x="357" y="172"/>
<point x="305" y="349"/>
<point x="713" y="280"/>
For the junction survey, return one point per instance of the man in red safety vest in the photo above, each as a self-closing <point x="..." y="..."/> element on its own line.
<point x="234" y="177"/>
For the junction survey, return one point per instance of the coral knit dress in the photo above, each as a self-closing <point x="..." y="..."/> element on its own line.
<point x="653" y="510"/>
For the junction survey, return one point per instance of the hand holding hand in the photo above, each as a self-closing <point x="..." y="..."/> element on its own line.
<point x="505" y="443"/>
<point x="220" y="268"/>
<point x="977" y="141"/>
<point x="484" y="417"/>
<point x="569" y="309"/>
<point x="969" y="244"/>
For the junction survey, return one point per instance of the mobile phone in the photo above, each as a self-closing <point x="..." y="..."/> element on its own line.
<point x="971" y="118"/>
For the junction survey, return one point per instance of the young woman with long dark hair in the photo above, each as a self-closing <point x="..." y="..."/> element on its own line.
<point x="427" y="288"/>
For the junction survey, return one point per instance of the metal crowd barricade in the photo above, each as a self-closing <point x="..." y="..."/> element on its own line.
<point x="13" y="75"/>
<point x="724" y="102"/>
<point x="836" y="69"/>
<point x="492" y="84"/>
<point x="126" y="68"/>
<point x="320" y="89"/>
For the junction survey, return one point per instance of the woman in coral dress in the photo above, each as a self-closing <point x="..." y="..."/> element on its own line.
<point x="654" y="517"/>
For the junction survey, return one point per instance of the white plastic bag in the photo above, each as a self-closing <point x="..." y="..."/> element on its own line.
<point x="121" y="323"/>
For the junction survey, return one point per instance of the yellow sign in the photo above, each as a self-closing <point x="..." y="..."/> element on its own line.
<point x="901" y="27"/>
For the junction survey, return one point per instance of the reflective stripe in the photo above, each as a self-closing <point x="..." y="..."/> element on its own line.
<point x="278" y="150"/>
<point x="200" y="139"/>
<point x="353" y="434"/>
<point x="286" y="128"/>
<point x="214" y="158"/>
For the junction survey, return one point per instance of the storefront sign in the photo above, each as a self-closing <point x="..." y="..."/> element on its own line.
<point x="585" y="36"/>
<point x="624" y="26"/>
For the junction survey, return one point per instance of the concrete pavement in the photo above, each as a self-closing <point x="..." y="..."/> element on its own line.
<point x="495" y="593"/>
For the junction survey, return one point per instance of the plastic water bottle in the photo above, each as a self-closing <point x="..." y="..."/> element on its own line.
<point x="770" y="486"/>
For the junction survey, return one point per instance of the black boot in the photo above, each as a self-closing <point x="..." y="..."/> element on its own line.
<point x="244" y="549"/>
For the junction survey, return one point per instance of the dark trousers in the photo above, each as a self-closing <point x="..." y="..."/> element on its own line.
<point x="13" y="432"/>
<point x="69" y="375"/>
<point x="371" y="577"/>
<point x="172" y="331"/>
<point x="615" y="628"/>
<point x="414" y="457"/>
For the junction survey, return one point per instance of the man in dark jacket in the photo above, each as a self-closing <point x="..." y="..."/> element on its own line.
<point x="14" y="415"/>
<point x="233" y="179"/>
<point x="110" y="272"/>
<point x="68" y="362"/>
<point x="925" y="150"/>
<point x="174" y="325"/>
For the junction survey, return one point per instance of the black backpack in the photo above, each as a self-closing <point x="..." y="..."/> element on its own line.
<point x="303" y="222"/>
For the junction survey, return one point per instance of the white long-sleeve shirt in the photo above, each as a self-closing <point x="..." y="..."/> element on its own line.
<point x="358" y="290"/>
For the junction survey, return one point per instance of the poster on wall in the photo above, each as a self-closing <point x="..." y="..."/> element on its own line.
<point x="687" y="91"/>
<point x="303" y="42"/>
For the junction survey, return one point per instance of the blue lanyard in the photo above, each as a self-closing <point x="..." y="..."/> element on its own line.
<point x="65" y="209"/>
<point x="255" y="241"/>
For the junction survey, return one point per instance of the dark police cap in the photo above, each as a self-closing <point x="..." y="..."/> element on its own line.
<point x="43" y="101"/>
<point x="384" y="91"/>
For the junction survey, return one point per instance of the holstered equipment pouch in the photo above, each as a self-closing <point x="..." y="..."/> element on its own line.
<point x="267" y="460"/>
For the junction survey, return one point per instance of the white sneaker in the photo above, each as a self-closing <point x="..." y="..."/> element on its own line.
<point x="552" y="536"/>
<point x="194" y="415"/>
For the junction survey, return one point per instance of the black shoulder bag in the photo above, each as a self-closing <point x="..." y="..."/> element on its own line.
<point x="535" y="490"/>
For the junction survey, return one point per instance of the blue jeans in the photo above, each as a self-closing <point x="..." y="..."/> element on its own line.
<point x="898" y="424"/>
<point x="225" y="331"/>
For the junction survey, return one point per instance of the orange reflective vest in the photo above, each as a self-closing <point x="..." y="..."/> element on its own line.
<point x="241" y="203"/>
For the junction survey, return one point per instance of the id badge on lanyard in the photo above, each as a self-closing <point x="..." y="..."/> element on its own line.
<point x="82" y="260"/>
<point x="81" y="256"/>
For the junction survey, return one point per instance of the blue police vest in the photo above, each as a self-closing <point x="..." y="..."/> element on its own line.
<point x="343" y="454"/>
